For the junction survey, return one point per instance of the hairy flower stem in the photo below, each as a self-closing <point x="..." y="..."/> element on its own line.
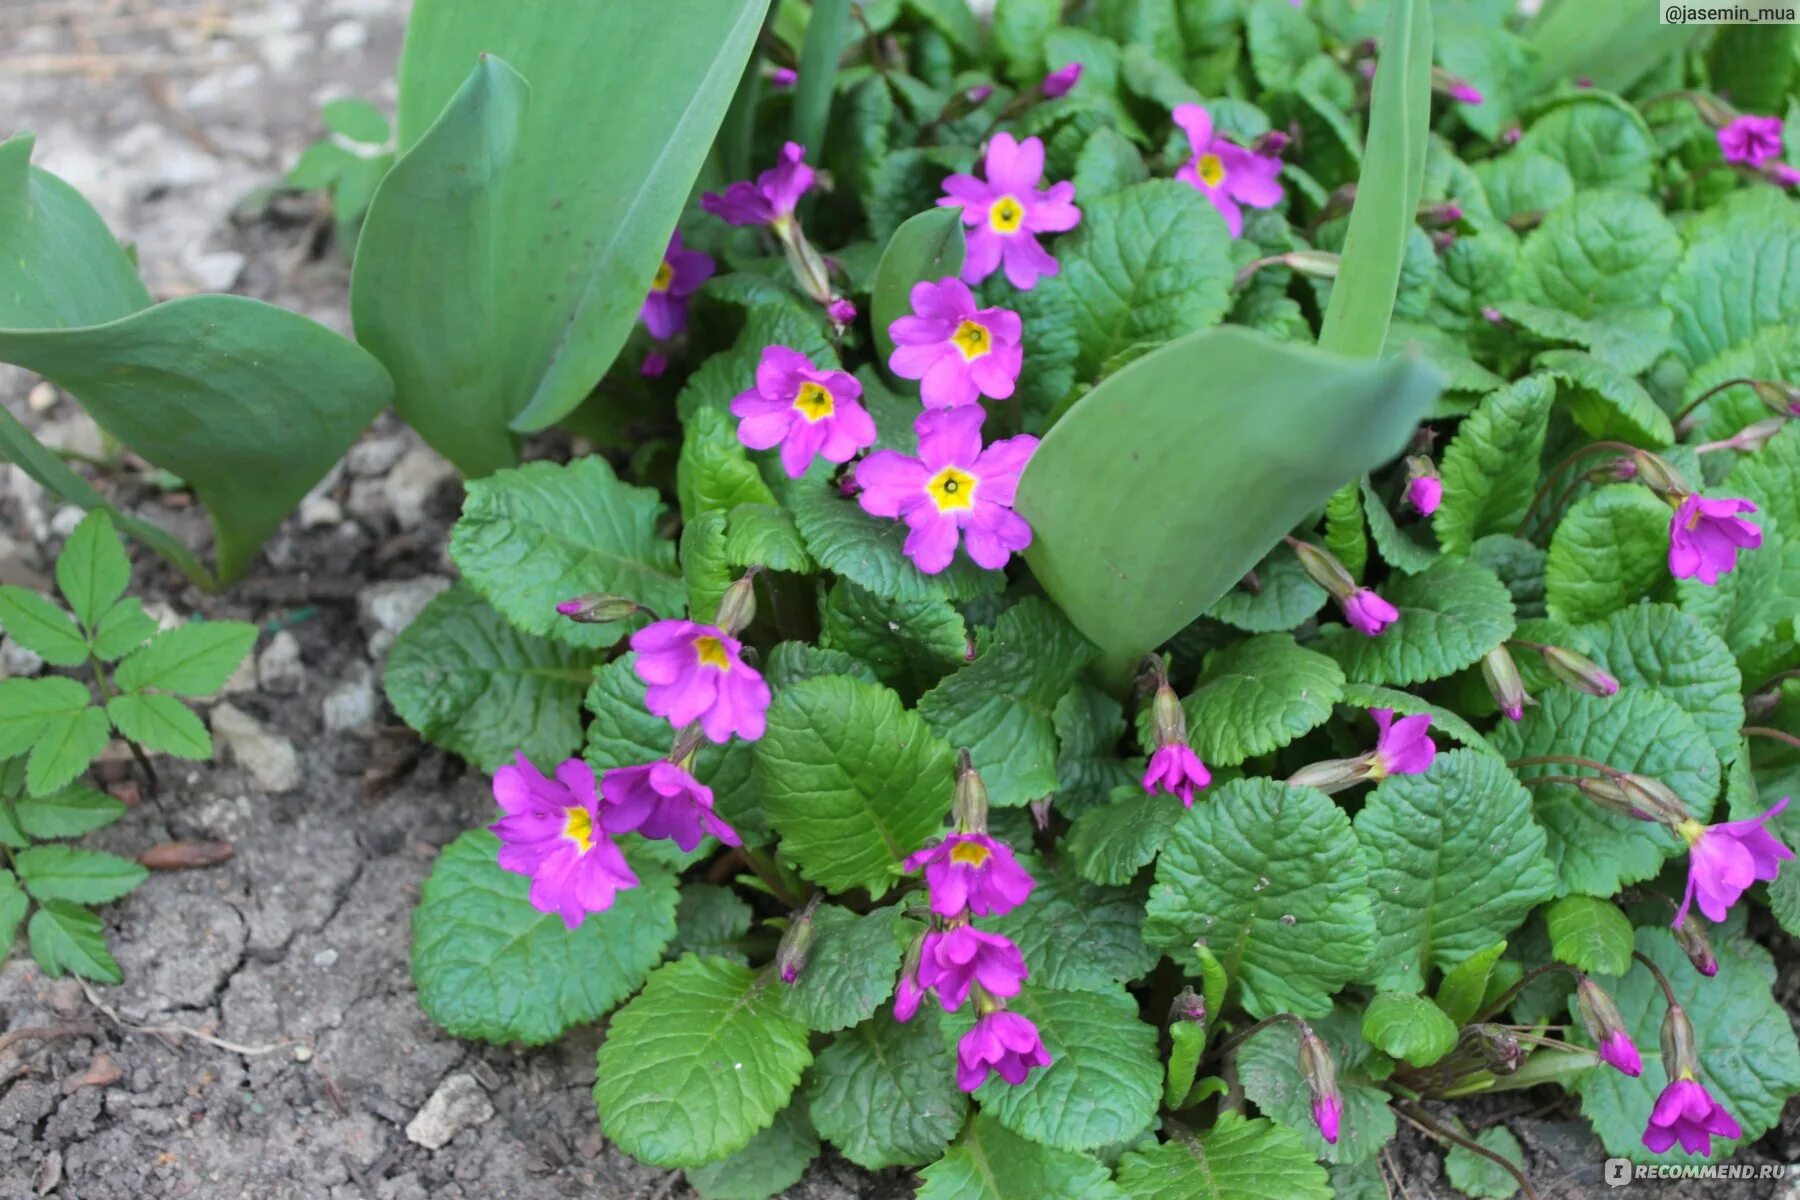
<point x="1553" y="473"/>
<point x="1417" y="1118"/>
<point x="1510" y="994"/>
<point x="1242" y="1036"/>
<point x="1772" y="734"/>
<point x="1661" y="979"/>
<point x="1567" y="760"/>
<point x="1709" y="393"/>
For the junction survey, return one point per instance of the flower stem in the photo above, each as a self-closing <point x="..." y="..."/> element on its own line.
<point x="1415" y="1116"/>
<point x="1570" y="760"/>
<point x="1510" y="994"/>
<point x="1668" y="992"/>
<point x="1773" y="734"/>
<point x="1550" y="477"/>
<point x="1708" y="394"/>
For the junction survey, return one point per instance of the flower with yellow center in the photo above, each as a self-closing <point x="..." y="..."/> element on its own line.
<point x="972" y="339"/>
<point x="1211" y="168"/>
<point x="970" y="854"/>
<point x="712" y="652"/>
<point x="665" y="277"/>
<point x="1006" y="216"/>
<point x="814" y="402"/>
<point x="578" y="827"/>
<point x="952" y="489"/>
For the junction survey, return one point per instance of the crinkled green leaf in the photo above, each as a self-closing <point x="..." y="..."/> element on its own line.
<point x="1258" y="695"/>
<point x="161" y="723"/>
<point x="1269" y="1067"/>
<point x="1590" y="933"/>
<point x="67" y="938"/>
<point x="990" y="1162"/>
<point x="1610" y="550"/>
<point x="1747" y="607"/>
<point x="911" y="644"/>
<point x="1410" y="1028"/>
<point x="1771" y="478"/>
<point x="715" y="471"/>
<point x="1630" y="339"/>
<point x="92" y="571"/>
<point x="867" y="550"/>
<point x="774" y="1161"/>
<point x="1397" y="547"/>
<point x="490" y="966"/>
<point x="1237" y="1159"/>
<point x="791" y="662"/>
<point x="885" y="1094"/>
<point x="1283" y="595"/>
<point x="1491" y="466"/>
<point x="1598" y="250"/>
<point x="710" y="920"/>
<point x="1740" y="275"/>
<point x="705" y="570"/>
<point x="1520" y="181"/>
<point x="1600" y="139"/>
<point x="1089" y="724"/>
<point x="1076" y="935"/>
<point x="1281" y="40"/>
<point x="1455" y="862"/>
<point x="1657" y="646"/>
<point x="1605" y="401"/>
<point x="1482" y="1178"/>
<point x="190" y="660"/>
<point x="851" y="969"/>
<point x="698" y="1063"/>
<point x="1266" y="875"/>
<point x="1596" y="852"/>
<point x="1450" y="615"/>
<point x="1111" y="843"/>
<point x="1109" y="163"/>
<point x="38" y="625"/>
<point x="763" y="535"/>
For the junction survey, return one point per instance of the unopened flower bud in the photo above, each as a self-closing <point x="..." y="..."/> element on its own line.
<point x="1712" y="110"/>
<point x="1318" y="264"/>
<point x="1778" y="396"/>
<point x="966" y="101"/>
<point x="1189" y="1006"/>
<point x="841" y="311"/>
<point x="1040" y="813"/>
<point x="1319" y="1070"/>
<point x="737" y="608"/>
<point x="1578" y="671"/>
<point x="1060" y="81"/>
<point x="1332" y="775"/>
<point x="654" y="364"/>
<point x="1658" y="474"/>
<point x="1424" y="486"/>
<point x="808" y="268"/>
<point x="797" y="942"/>
<point x="1695" y="942"/>
<point x="1635" y="796"/>
<point x="1270" y="144"/>
<point x="1440" y="215"/>
<point x="1754" y="436"/>
<point x="784" y="77"/>
<point x="1498" y="1046"/>
<point x="1604" y="1024"/>
<point x="598" y="608"/>
<point x="1170" y="721"/>
<point x="1455" y="87"/>
<point x="1504" y="684"/>
<point x="907" y="992"/>
<point x="1325" y="569"/>
<point x="970" y="807"/>
<point x="1680" y="1055"/>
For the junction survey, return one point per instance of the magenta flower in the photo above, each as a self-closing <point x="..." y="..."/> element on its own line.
<point x="678" y="277"/>
<point x="1619" y="1051"/>
<point x="1425" y="493"/>
<point x="1223" y="171"/>
<point x="807" y="412"/>
<point x="1175" y="770"/>
<point x="972" y="873"/>
<point x="552" y="832"/>
<point x="661" y="800"/>
<point x="655" y="363"/>
<point x="907" y="995"/>
<point x="1403" y="747"/>
<point x="958" y="351"/>
<point x="1327" y="1111"/>
<point x="953" y="488"/>
<point x="1705" y="536"/>
<point x="1686" y="1112"/>
<point x="841" y="311"/>
<point x="1465" y="92"/>
<point x="1000" y="1041"/>
<point x="1007" y="212"/>
<point x="956" y="959"/>
<point x="1751" y="141"/>
<point x="1369" y="612"/>
<point x="695" y="674"/>
<point x="1061" y="81"/>
<point x="784" y="77"/>
<point x="1725" y="859"/>
<point x="771" y="199"/>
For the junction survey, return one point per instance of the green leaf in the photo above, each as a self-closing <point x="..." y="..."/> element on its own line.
<point x="1108" y="164"/>
<point x="355" y="119"/>
<point x="123" y="629"/>
<point x="704" y="569"/>
<point x="1397" y="547"/>
<point x="710" y="920"/>
<point x="1771" y="478"/>
<point x="1748" y="1057"/>
<point x="1596" y="852"/>
<point x="1746" y="607"/>
<point x="466" y="680"/>
<point x="1345" y="535"/>
<point x="715" y="471"/>
<point x="1089" y="724"/>
<point x="248" y="403"/>
<point x="867" y="550"/>
<point x="700" y="1061"/>
<point x="1410" y="1028"/>
<point x="791" y="662"/>
<point x="190" y="660"/>
<point x="1455" y="863"/>
<point x="1482" y="1178"/>
<point x="13" y="904"/>
<point x="1083" y="489"/>
<point x="1450" y="615"/>
<point x="1599" y="250"/>
<point x="851" y="780"/>
<point x="1387" y="198"/>
<point x="1590" y="933"/>
<point x="1145" y="266"/>
<point x="1281" y="40"/>
<point x="990" y="1162"/>
<point x="851" y="969"/>
<point x="885" y="1094"/>
<point x="1631" y="339"/>
<point x="1658" y="646"/>
<point x="1368" y="695"/>
<point x="774" y="1161"/>
<point x="1602" y="141"/>
<point x="1741" y="274"/>
<point x="911" y="644"/>
<point x="1491" y="466"/>
<point x="827" y="29"/>
<point x="161" y="723"/>
<point x="1609" y="551"/>
<point x="92" y="571"/>
<point x="67" y="938"/>
<point x="1267" y="876"/>
<point x="532" y="537"/>
<point x="41" y="627"/>
<point x="1520" y="182"/>
<point x="1237" y="1159"/>
<point x="545" y="254"/>
<point x="1020" y="31"/>
<point x="1000" y="706"/>
<point x="63" y="729"/>
<point x="1283" y="596"/>
<point x="70" y="812"/>
<point x="1111" y="843"/>
<point x="1461" y="992"/>
<point x="81" y="876"/>
<point x="1077" y="936"/>
<point x="1104" y="1080"/>
<point x="1269" y="1067"/>
<point x="763" y="535"/>
<point x="1605" y="401"/>
<point x="927" y="248"/>
<point x="1258" y="695"/>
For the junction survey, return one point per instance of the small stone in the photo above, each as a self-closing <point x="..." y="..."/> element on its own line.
<point x="42" y="397"/>
<point x="66" y="519"/>
<point x="16" y="662"/>
<point x="375" y="456"/>
<point x="279" y="667"/>
<point x="325" y="958"/>
<point x="414" y="481"/>
<point x="74" y="434"/>
<point x="458" y="1104"/>
<point x="269" y="758"/>
<point x="346" y="36"/>
<point x="242" y="678"/>
<point x="351" y="704"/>
<point x="388" y="608"/>
<point x="320" y="512"/>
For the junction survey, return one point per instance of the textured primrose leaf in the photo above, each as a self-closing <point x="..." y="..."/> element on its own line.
<point x="1281" y="42"/>
<point x="1749" y="606"/>
<point x="1600" y="249"/>
<point x="851" y="970"/>
<point x="1491" y="467"/>
<point x="1089" y="724"/>
<point x="705" y="567"/>
<point x="1461" y="991"/>
<point x="92" y="571"/>
<point x="885" y="1094"/>
<point x="1596" y="852"/>
<point x="1610" y="550"/>
<point x="1600" y="139"/>
<point x="1590" y="933"/>
<point x="1108" y="164"/>
<point x="1410" y="1028"/>
<point x="715" y="472"/>
<point x="1455" y="862"/>
<point x="911" y="644"/>
<point x="990" y="1162"/>
<point x="1267" y="876"/>
<point x="1237" y="1159"/>
<point x="1740" y="275"/>
<point x="1659" y="647"/>
<point x="710" y="920"/>
<point x="851" y="780"/>
<point x="867" y="550"/>
<point x="67" y="938"/>
<point x="1104" y="1081"/>
<point x="1283" y="597"/>
<point x="1771" y="478"/>
<point x="1258" y="695"/>
<point x="1748" y="1057"/>
<point x="1630" y="339"/>
<point x="1606" y="401"/>
<point x="39" y="626"/>
<point x="698" y="1063"/>
<point x="791" y="662"/>
<point x="1112" y="842"/>
<point x="1269" y="1066"/>
<point x="1001" y="706"/>
<point x="1520" y="181"/>
<point x="490" y="966"/>
<point x="1450" y="615"/>
<point x="1397" y="547"/>
<point x="774" y="1161"/>
<point x="465" y="679"/>
<point x="764" y="535"/>
<point x="1482" y="1178"/>
<point x="70" y="812"/>
<point x="190" y="660"/>
<point x="1077" y="935"/>
<point x="536" y="535"/>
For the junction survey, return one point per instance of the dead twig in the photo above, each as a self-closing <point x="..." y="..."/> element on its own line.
<point x="181" y="1030"/>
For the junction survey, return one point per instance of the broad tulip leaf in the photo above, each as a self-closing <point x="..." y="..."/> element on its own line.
<point x="1237" y="1159"/>
<point x="927" y="248"/>
<point x="885" y="1094"/>
<point x="1249" y="472"/>
<point x="1257" y="696"/>
<point x="1612" y="44"/>
<point x="991" y="1162"/>
<point x="580" y="231"/>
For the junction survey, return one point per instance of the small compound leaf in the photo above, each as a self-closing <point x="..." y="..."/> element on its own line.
<point x="41" y="627"/>
<point x="161" y="723"/>
<point x="68" y="938"/>
<point x="80" y="876"/>
<point x="92" y="571"/>
<point x="190" y="660"/>
<point x="123" y="628"/>
<point x="70" y="812"/>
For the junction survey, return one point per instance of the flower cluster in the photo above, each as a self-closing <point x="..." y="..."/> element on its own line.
<point x="970" y="874"/>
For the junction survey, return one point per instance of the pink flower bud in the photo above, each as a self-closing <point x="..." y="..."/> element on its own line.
<point x="841" y="311"/>
<point x="784" y="77"/>
<point x="1504" y="684"/>
<point x="1319" y="1070"/>
<point x="1060" y="81"/>
<point x="1578" y="671"/>
<point x="1607" y="1028"/>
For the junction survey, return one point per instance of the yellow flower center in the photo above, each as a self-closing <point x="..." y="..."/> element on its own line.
<point x="1691" y="831"/>
<point x="665" y="275"/>
<point x="814" y="402"/>
<point x="1006" y="215"/>
<point x="948" y="489"/>
<point x="578" y="827"/>
<point x="973" y="340"/>
<point x="1211" y="169"/>
<point x="970" y="854"/>
<point x="1377" y="768"/>
<point x="712" y="652"/>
